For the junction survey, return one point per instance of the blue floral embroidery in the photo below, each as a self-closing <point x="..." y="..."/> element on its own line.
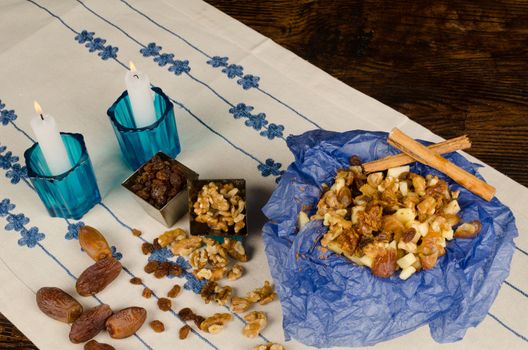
<point x="2" y="105"/>
<point x="117" y="255"/>
<point x="84" y="36"/>
<point x="96" y="44"/>
<point x="183" y="263"/>
<point x="108" y="52"/>
<point x="73" y="230"/>
<point x="178" y="67"/>
<point x="2" y="149"/>
<point x="151" y="50"/>
<point x="164" y="59"/>
<point x="233" y="70"/>
<point x="218" y="61"/>
<point x="16" y="173"/>
<point x="6" y="206"/>
<point x="193" y="283"/>
<point x="256" y="121"/>
<point x="270" y="168"/>
<point x="7" y="160"/>
<point x="30" y="237"/>
<point x="7" y="116"/>
<point x="249" y="81"/>
<point x="161" y="255"/>
<point x="241" y="110"/>
<point x="273" y="131"/>
<point x="16" y="222"/>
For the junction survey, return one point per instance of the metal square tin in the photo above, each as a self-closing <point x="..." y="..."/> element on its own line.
<point x="202" y="229"/>
<point x="176" y="207"/>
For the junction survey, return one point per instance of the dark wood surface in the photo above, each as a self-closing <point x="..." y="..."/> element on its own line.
<point x="453" y="66"/>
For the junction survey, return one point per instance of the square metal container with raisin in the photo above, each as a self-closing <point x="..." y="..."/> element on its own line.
<point x="203" y="229"/>
<point x="174" y="206"/>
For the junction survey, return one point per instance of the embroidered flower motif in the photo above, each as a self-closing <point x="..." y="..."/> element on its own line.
<point x="241" y="110"/>
<point x="151" y="50"/>
<point x="16" y="222"/>
<point x="2" y="105"/>
<point x="73" y="230"/>
<point x="2" y="149"/>
<point x="218" y="61"/>
<point x="194" y="283"/>
<point x="249" y="81"/>
<point x="161" y="255"/>
<point x="7" y="160"/>
<point x="84" y="36"/>
<point x="30" y="237"/>
<point x="256" y="121"/>
<point x="178" y="67"/>
<point x="164" y="59"/>
<point x="233" y="70"/>
<point x="96" y="44"/>
<point x="16" y="173"/>
<point x="270" y="168"/>
<point x="273" y="131"/>
<point x="7" y="116"/>
<point x="184" y="264"/>
<point x="108" y="52"/>
<point x="117" y="255"/>
<point x="6" y="206"/>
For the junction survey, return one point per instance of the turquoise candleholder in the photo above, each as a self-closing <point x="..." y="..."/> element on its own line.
<point x="138" y="145"/>
<point x="71" y="194"/>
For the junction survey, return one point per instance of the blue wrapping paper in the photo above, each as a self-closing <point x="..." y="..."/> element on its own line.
<point x="329" y="301"/>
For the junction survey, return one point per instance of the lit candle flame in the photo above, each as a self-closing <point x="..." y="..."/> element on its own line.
<point x="37" y="107"/>
<point x="132" y="67"/>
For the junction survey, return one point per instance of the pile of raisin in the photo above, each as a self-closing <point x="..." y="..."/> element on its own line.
<point x="158" y="181"/>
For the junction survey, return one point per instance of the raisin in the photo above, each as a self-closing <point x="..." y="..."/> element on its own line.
<point x="136" y="280"/>
<point x="157" y="326"/>
<point x="151" y="266"/>
<point x="160" y="273"/>
<point x="198" y="320"/>
<point x="147" y="248"/>
<point x="147" y="293"/>
<point x="175" y="270"/>
<point x="156" y="244"/>
<point x="409" y="234"/>
<point x="184" y="332"/>
<point x="355" y="160"/>
<point x="186" y="314"/>
<point x="136" y="232"/>
<point x="173" y="293"/>
<point x="164" y="304"/>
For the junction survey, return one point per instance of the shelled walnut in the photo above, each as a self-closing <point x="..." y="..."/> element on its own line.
<point x="213" y="292"/>
<point x="235" y="249"/>
<point x="170" y="236"/>
<point x="235" y="272"/>
<point x="240" y="305"/>
<point x="263" y="295"/>
<point x="256" y="322"/>
<point x="186" y="246"/>
<point x="220" y="207"/>
<point x="400" y="220"/>
<point x="269" y="346"/>
<point x="215" y="323"/>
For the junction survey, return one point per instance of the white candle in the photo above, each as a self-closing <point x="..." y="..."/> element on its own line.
<point x="50" y="142"/>
<point x="141" y="99"/>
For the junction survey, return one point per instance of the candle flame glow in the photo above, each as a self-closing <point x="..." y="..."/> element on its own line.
<point x="37" y="107"/>
<point x="132" y="66"/>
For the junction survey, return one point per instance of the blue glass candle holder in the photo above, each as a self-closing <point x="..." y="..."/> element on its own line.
<point x="138" y="145"/>
<point x="71" y="194"/>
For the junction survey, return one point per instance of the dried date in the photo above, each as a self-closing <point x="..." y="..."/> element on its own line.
<point x="95" y="345"/>
<point x="59" y="305"/>
<point x="96" y="277"/>
<point x="93" y="243"/>
<point x="89" y="324"/>
<point x="126" y="322"/>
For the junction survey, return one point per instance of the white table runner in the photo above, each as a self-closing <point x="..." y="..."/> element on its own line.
<point x="237" y="96"/>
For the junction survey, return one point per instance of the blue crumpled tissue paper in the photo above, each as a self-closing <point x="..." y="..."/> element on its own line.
<point x="329" y="301"/>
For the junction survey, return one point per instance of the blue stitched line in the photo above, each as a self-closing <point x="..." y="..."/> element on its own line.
<point x="508" y="327"/>
<point x="210" y="88"/>
<point x="22" y="131"/>
<point x="110" y="23"/>
<point x="523" y="293"/>
<point x="115" y="216"/>
<point x="166" y="29"/>
<point x="290" y="108"/>
<point x="53" y="15"/>
<point x="261" y="336"/>
<point x="522" y="251"/>
<point x="208" y="56"/>
<point x="57" y="261"/>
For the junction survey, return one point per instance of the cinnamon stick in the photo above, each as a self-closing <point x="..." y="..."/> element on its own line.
<point x="422" y="154"/>
<point x="448" y="146"/>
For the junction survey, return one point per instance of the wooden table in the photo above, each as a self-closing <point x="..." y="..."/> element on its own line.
<point x="453" y="66"/>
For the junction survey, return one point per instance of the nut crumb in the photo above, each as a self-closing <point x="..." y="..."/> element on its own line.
<point x="157" y="326"/>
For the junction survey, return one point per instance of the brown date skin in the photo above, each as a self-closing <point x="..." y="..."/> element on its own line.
<point x="96" y="277"/>
<point x="126" y="322"/>
<point x="384" y="264"/>
<point x="93" y="243"/>
<point x="95" y="345"/>
<point x="58" y="304"/>
<point x="89" y="324"/>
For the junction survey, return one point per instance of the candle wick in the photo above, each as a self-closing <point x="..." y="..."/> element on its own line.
<point x="41" y="116"/>
<point x="136" y="76"/>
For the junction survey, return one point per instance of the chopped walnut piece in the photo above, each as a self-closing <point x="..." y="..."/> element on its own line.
<point x="186" y="246"/>
<point x="198" y="259"/>
<point x="170" y="236"/>
<point x="269" y="346"/>
<point x="235" y="272"/>
<point x="263" y="295"/>
<point x="240" y="305"/>
<point x="215" y="323"/>
<point x="256" y="322"/>
<point x="235" y="249"/>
